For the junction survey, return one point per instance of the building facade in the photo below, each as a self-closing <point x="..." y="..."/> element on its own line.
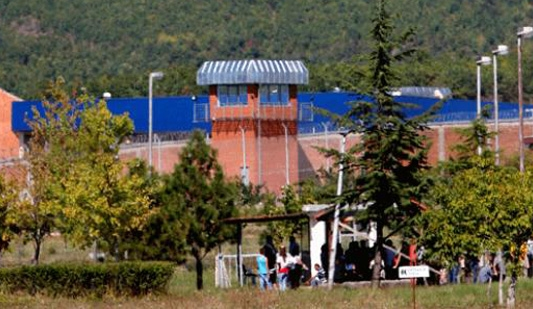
<point x="253" y="107"/>
<point x="265" y="133"/>
<point x="9" y="141"/>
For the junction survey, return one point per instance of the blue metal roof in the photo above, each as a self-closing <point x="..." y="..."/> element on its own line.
<point x="170" y="114"/>
<point x="290" y="72"/>
<point x="176" y="114"/>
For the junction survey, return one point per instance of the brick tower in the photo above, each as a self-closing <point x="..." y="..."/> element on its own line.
<point x="254" y="112"/>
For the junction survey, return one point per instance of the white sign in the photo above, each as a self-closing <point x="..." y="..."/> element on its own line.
<point x="421" y="271"/>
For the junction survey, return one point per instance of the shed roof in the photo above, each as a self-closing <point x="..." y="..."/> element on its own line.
<point x="266" y="218"/>
<point x="226" y="72"/>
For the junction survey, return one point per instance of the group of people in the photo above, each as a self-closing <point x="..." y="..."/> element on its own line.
<point x="357" y="262"/>
<point x="285" y="269"/>
<point x="280" y="269"/>
<point x="469" y="268"/>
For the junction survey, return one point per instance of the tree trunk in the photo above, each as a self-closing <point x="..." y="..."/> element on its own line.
<point x="199" y="273"/>
<point x="116" y="252"/>
<point x="376" y="271"/>
<point x="511" y="297"/>
<point x="500" y="288"/>
<point x="38" y="242"/>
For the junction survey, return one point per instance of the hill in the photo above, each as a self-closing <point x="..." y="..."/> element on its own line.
<point x="112" y="45"/>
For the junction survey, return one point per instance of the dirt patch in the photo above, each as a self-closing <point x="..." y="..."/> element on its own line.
<point x="28" y="26"/>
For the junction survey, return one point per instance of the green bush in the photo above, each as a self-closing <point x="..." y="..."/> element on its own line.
<point x="74" y="280"/>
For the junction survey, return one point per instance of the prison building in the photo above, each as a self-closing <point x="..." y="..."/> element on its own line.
<point x="253" y="106"/>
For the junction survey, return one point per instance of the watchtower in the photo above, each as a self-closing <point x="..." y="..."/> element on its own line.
<point x="254" y="112"/>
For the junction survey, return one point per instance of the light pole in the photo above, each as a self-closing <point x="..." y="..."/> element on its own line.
<point x="335" y="228"/>
<point x="524" y="32"/>
<point x="501" y="50"/>
<point x="482" y="60"/>
<point x="153" y="75"/>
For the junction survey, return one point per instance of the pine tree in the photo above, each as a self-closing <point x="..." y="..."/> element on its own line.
<point x="392" y="153"/>
<point x="197" y="197"/>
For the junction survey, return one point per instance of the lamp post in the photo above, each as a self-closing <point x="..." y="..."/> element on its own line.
<point x="501" y="50"/>
<point x="335" y="228"/>
<point x="152" y="76"/>
<point x="524" y="32"/>
<point x="482" y="60"/>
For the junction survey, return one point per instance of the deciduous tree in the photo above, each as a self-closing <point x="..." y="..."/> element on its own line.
<point x="77" y="184"/>
<point x="8" y="200"/>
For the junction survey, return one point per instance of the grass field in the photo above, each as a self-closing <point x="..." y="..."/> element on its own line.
<point x="182" y="293"/>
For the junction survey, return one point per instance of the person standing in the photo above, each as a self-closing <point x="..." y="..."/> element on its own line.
<point x="388" y="257"/>
<point x="271" y="253"/>
<point x="262" y="270"/>
<point x="284" y="263"/>
<point x="294" y="247"/>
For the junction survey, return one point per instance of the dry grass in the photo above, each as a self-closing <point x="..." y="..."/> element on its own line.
<point x="54" y="249"/>
<point x="434" y="298"/>
<point x="182" y="293"/>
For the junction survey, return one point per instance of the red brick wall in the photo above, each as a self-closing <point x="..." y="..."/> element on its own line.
<point x="169" y="153"/>
<point x="9" y="142"/>
<point x="310" y="159"/>
<point x="227" y="139"/>
<point x="273" y="155"/>
<point x="304" y="157"/>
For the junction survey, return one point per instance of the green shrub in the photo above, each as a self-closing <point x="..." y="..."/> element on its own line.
<point x="74" y="280"/>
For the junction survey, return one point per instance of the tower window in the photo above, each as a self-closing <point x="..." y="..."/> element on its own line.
<point x="231" y="95"/>
<point x="274" y="94"/>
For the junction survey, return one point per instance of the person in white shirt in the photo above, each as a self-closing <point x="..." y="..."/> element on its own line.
<point x="283" y="261"/>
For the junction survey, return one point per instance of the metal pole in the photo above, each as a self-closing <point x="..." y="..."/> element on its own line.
<point x="151" y="77"/>
<point x="244" y="167"/>
<point x="478" y="100"/>
<point x="239" y="254"/>
<point x="327" y="145"/>
<point x="158" y="153"/>
<point x="150" y="94"/>
<point x="259" y="145"/>
<point x="334" y="237"/>
<point x="287" y="180"/>
<point x="496" y="110"/>
<point x="414" y="294"/>
<point x="520" y="106"/>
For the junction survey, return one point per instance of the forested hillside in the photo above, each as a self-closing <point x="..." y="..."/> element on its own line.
<point x="111" y="45"/>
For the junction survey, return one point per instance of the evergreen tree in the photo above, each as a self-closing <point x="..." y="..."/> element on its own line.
<point x="196" y="198"/>
<point x="290" y="203"/>
<point x="392" y="153"/>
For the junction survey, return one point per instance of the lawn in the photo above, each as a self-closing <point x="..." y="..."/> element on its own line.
<point x="182" y="293"/>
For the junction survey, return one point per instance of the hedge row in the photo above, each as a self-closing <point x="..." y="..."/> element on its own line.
<point x="74" y="280"/>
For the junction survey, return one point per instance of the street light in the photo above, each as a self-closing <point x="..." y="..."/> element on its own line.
<point x="524" y="32"/>
<point x="153" y="75"/>
<point x="482" y="60"/>
<point x="501" y="50"/>
<point x="335" y="234"/>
